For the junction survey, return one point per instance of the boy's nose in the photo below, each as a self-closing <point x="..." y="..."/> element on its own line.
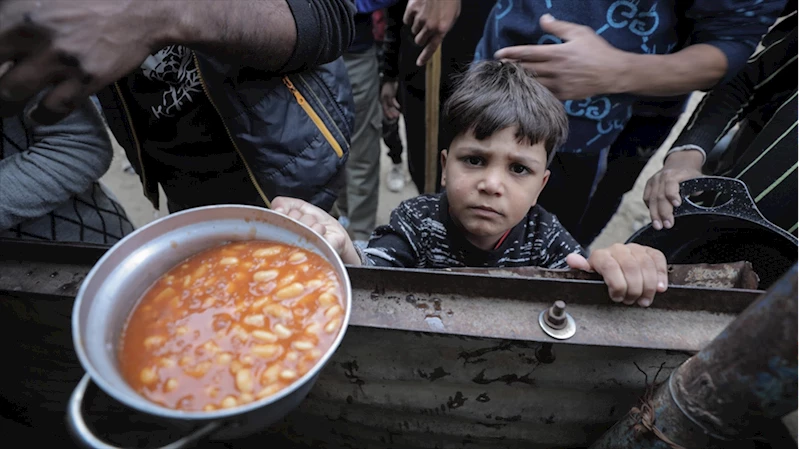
<point x="491" y="184"/>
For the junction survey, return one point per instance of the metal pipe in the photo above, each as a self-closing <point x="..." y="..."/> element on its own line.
<point x="732" y="389"/>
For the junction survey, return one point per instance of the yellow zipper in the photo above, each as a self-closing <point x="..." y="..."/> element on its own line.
<point x="135" y="142"/>
<point x="314" y="116"/>
<point x="230" y="136"/>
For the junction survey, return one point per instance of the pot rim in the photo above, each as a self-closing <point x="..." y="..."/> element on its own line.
<point x="140" y="403"/>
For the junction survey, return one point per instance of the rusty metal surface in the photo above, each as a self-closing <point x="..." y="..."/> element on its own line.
<point x="391" y="386"/>
<point x="739" y="385"/>
<point x="393" y="389"/>
<point x="723" y="275"/>
<point x="683" y="318"/>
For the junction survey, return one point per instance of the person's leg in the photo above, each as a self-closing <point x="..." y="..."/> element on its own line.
<point x="629" y="154"/>
<point x="363" y="165"/>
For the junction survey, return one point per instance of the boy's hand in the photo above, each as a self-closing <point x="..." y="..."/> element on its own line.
<point x="321" y="222"/>
<point x="633" y="273"/>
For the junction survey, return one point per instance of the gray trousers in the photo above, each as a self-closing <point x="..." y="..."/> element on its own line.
<point x="358" y="199"/>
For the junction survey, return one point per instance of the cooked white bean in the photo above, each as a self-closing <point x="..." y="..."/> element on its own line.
<point x="313" y="329"/>
<point x="277" y="311"/>
<point x="264" y="336"/>
<point x="268" y="391"/>
<point x="148" y="376"/>
<point x="246" y="398"/>
<point x="260" y="303"/>
<point x="333" y="311"/>
<point x="171" y="384"/>
<point x="244" y="381"/>
<point x="327" y="299"/>
<point x="282" y="331"/>
<point x="288" y="374"/>
<point x="229" y="261"/>
<point x="229" y="402"/>
<point x="292" y="291"/>
<point x="182" y="330"/>
<point x="209" y="301"/>
<point x="333" y="325"/>
<point x="302" y="345"/>
<point x="224" y="358"/>
<point x="298" y="257"/>
<point x="154" y="341"/>
<point x="271" y="374"/>
<point x="209" y="408"/>
<point x="264" y="276"/>
<point x="313" y="284"/>
<point x="167" y="362"/>
<point x="266" y="252"/>
<point x="266" y="351"/>
<point x="292" y="357"/>
<point x="255" y="320"/>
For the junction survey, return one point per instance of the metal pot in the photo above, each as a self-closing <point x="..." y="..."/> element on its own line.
<point x="120" y="278"/>
<point x="729" y="232"/>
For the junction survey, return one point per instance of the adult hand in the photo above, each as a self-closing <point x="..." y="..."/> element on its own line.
<point x="583" y="66"/>
<point x="430" y="21"/>
<point x="321" y="222"/>
<point x="72" y="48"/>
<point x="633" y="273"/>
<point x="662" y="192"/>
<point x="388" y="99"/>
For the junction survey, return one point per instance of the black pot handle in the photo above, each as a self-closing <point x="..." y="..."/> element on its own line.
<point x="740" y="204"/>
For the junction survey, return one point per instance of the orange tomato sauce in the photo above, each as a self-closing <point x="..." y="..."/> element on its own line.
<point x="231" y="325"/>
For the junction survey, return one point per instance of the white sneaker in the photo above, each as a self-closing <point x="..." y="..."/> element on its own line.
<point x="396" y="178"/>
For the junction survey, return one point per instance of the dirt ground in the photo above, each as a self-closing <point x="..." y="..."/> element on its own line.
<point x="631" y="215"/>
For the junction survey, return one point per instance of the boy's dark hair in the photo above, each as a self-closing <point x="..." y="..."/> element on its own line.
<point x="494" y="95"/>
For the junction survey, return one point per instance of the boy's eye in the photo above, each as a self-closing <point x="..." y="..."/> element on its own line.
<point x="473" y="160"/>
<point x="519" y="169"/>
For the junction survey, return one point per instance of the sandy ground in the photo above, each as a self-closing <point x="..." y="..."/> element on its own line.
<point x="631" y="215"/>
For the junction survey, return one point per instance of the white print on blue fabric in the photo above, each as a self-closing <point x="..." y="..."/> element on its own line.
<point x="500" y="13"/>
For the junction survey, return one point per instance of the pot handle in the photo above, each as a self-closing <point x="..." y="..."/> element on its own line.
<point x="77" y="426"/>
<point x="739" y="205"/>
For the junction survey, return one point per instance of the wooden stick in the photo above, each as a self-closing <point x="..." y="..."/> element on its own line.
<point x="431" y="100"/>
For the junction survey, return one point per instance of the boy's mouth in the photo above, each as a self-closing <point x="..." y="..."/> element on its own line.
<point x="481" y="210"/>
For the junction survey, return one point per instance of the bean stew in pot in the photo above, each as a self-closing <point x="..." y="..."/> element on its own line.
<point x="231" y="325"/>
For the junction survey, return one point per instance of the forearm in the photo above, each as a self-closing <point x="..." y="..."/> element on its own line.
<point x="62" y="160"/>
<point x="697" y="67"/>
<point x="263" y="33"/>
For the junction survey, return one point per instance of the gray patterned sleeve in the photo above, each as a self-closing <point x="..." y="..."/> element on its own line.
<point x="558" y="242"/>
<point x="396" y="244"/>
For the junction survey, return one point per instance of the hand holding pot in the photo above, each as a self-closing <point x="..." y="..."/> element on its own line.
<point x="662" y="192"/>
<point x="321" y="222"/>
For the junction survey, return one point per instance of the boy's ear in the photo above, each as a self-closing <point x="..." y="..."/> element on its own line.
<point x="544" y="181"/>
<point x="444" y="167"/>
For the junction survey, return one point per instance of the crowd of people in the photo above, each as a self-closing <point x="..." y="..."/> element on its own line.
<point x="284" y="105"/>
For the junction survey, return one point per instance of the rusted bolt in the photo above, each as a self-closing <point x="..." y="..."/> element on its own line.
<point x="556" y="315"/>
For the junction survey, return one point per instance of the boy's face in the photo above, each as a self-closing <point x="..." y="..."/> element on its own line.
<point x="492" y="184"/>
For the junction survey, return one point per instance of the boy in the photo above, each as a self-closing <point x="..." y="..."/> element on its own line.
<point x="508" y="127"/>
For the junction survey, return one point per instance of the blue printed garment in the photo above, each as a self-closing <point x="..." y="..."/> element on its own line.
<point x="637" y="26"/>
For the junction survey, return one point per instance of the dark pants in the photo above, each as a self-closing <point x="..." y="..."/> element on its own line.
<point x="585" y="212"/>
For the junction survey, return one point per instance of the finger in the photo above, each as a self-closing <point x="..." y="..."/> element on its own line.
<point x="662" y="266"/>
<point x="295" y="214"/>
<point x="319" y="228"/>
<point x="428" y="50"/>
<point x="395" y="103"/>
<point x="27" y="78"/>
<point x="648" y="189"/>
<point x="308" y="220"/>
<point x="425" y="36"/>
<point x="410" y="15"/>
<point x="672" y="191"/>
<point x="665" y="211"/>
<point x="60" y="101"/>
<point x="633" y="276"/>
<point x="611" y="272"/>
<point x="528" y="53"/>
<point x="418" y="24"/>
<point x="654" y="206"/>
<point x="578" y="262"/>
<point x="386" y="108"/>
<point x="561" y="28"/>
<point x="649" y="276"/>
<point x="541" y="70"/>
